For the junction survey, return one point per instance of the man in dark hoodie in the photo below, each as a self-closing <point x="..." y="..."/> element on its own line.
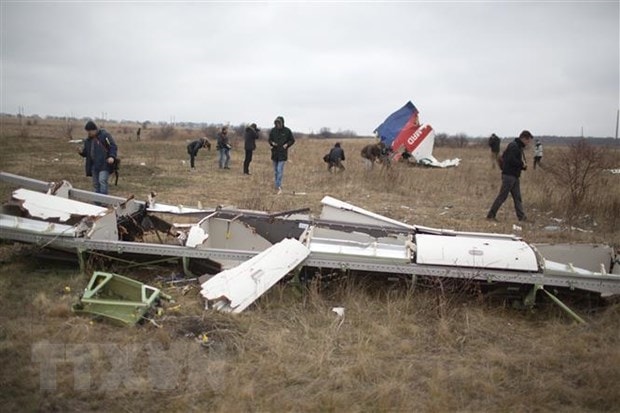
<point x="513" y="162"/>
<point x="100" y="152"/>
<point x="280" y="139"/>
<point x="251" y="134"/>
<point x="494" y="144"/>
<point x="335" y="158"/>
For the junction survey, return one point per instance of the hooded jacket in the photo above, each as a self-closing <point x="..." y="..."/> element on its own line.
<point x="336" y="154"/>
<point x="250" y="137"/>
<point x="513" y="159"/>
<point x="280" y="140"/>
<point x="193" y="147"/>
<point x="97" y="150"/>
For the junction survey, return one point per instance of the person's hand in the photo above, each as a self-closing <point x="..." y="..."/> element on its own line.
<point x="110" y="160"/>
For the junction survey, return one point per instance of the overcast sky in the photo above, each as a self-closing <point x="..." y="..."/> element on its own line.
<point x="469" y="67"/>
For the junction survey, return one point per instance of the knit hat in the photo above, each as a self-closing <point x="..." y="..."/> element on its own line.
<point x="526" y="135"/>
<point x="90" y="125"/>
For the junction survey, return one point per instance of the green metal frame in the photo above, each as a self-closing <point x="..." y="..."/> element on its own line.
<point x="530" y="298"/>
<point x="118" y="298"/>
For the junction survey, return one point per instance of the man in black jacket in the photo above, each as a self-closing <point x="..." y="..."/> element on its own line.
<point x="251" y="134"/>
<point x="194" y="147"/>
<point x="100" y="152"/>
<point x="512" y="165"/>
<point x="335" y="158"/>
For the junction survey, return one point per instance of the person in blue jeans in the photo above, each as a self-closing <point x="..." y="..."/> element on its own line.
<point x="100" y="152"/>
<point x="280" y="139"/>
<point x="223" y="147"/>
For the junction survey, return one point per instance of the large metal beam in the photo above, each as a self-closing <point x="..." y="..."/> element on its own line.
<point x="604" y="284"/>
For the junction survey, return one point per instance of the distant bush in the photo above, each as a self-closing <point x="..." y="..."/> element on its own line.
<point x="579" y="174"/>
<point x="165" y="132"/>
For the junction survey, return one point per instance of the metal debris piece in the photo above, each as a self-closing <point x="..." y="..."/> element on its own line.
<point x="118" y="298"/>
<point x="235" y="289"/>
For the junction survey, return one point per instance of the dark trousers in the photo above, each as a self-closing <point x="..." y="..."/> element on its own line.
<point x="537" y="161"/>
<point x="191" y="160"/>
<point x="247" y="161"/>
<point x="337" y="164"/>
<point x="510" y="185"/>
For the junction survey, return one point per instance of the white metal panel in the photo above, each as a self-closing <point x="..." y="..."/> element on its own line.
<point x="173" y="209"/>
<point x="560" y="268"/>
<point x="31" y="225"/>
<point x="46" y="206"/>
<point x="103" y="228"/>
<point x="196" y="236"/>
<point x="228" y="234"/>
<point x="359" y="249"/>
<point x="235" y="289"/>
<point x="586" y="256"/>
<point x="356" y="244"/>
<point x="442" y="231"/>
<point x="336" y="210"/>
<point x="464" y="251"/>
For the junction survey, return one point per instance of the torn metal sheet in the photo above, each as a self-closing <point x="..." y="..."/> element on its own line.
<point x="118" y="298"/>
<point x="34" y="226"/>
<point x="174" y="209"/>
<point x="196" y="236"/>
<point x="44" y="206"/>
<point x="60" y="189"/>
<point x="75" y="194"/>
<point x="356" y="244"/>
<point x="592" y="257"/>
<point x="90" y="221"/>
<point x="231" y="234"/>
<point x="235" y="289"/>
<point x="477" y="252"/>
<point x="336" y="210"/>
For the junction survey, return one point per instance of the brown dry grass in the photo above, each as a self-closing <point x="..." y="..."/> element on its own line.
<point x="398" y="349"/>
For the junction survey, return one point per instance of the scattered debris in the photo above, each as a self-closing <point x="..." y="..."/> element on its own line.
<point x="249" y="251"/>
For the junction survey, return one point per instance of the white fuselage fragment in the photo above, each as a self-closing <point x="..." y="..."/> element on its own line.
<point x="235" y="289"/>
<point x="475" y="252"/>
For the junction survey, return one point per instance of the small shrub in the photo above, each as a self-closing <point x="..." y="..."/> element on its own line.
<point x="164" y="132"/>
<point x="576" y="173"/>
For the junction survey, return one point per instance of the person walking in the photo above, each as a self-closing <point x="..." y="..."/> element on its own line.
<point x="251" y="134"/>
<point x="100" y="152"/>
<point x="513" y="162"/>
<point x="335" y="158"/>
<point x="538" y="153"/>
<point x="223" y="146"/>
<point x="194" y="147"/>
<point x="494" y="143"/>
<point x="280" y="139"/>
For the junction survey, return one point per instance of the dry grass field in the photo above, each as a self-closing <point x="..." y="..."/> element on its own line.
<point x="398" y="348"/>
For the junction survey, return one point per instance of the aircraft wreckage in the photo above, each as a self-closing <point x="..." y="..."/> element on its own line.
<point x="239" y="254"/>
